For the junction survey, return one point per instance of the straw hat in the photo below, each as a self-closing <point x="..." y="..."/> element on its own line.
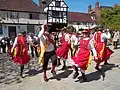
<point x="100" y="28"/>
<point x="85" y="31"/>
<point x="20" y="33"/>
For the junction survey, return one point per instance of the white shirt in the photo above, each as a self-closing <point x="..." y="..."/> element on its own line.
<point x="67" y="37"/>
<point x="60" y="35"/>
<point x="43" y="41"/>
<point x="104" y="36"/>
<point x="74" y="39"/>
<point x="15" y="43"/>
<point x="116" y="36"/>
<point x="31" y="40"/>
<point x="11" y="42"/>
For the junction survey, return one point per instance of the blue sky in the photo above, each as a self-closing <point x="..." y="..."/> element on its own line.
<point x="82" y="5"/>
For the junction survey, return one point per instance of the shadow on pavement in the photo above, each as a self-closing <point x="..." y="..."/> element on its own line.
<point x="33" y="72"/>
<point x="64" y="74"/>
<point x="68" y="67"/>
<point x="97" y="75"/>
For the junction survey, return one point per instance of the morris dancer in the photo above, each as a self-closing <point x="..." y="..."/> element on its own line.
<point x="21" y="53"/>
<point x="83" y="57"/>
<point x="103" y="51"/>
<point x="74" y="43"/>
<point x="62" y="51"/>
<point x="47" y="50"/>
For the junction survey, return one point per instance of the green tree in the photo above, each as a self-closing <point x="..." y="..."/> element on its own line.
<point x="110" y="18"/>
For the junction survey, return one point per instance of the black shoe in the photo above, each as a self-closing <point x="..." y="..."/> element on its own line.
<point x="46" y="79"/>
<point x="58" y="62"/>
<point x="84" y="78"/>
<point x="97" y="68"/>
<point x="64" y="67"/>
<point x="54" y="73"/>
<point x="75" y="75"/>
<point x="106" y="63"/>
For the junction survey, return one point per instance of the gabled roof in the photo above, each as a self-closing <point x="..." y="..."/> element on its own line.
<point x="80" y="17"/>
<point x="47" y="2"/>
<point x="19" y="5"/>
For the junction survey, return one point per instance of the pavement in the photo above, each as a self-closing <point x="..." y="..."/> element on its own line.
<point x="63" y="81"/>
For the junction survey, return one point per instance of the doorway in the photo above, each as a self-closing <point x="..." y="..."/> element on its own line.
<point x="30" y="29"/>
<point x="12" y="31"/>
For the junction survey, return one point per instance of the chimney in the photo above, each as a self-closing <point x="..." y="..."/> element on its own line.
<point x="89" y="8"/>
<point x="97" y="5"/>
<point x="115" y="5"/>
<point x="42" y="3"/>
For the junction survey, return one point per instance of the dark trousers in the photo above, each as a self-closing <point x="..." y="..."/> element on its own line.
<point x="49" y="55"/>
<point x="115" y="44"/>
<point x="32" y="51"/>
<point x="4" y="49"/>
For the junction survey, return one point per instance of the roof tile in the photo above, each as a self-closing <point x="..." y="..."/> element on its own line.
<point x="80" y="17"/>
<point x="19" y="5"/>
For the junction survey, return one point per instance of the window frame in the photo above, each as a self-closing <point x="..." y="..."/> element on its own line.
<point x="34" y="16"/>
<point x="14" y="15"/>
<point x="1" y="30"/>
<point x="57" y="4"/>
<point x="55" y="14"/>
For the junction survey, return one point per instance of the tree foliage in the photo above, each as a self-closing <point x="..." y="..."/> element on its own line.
<point x="111" y="18"/>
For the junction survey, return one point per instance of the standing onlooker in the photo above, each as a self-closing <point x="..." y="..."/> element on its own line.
<point x="33" y="44"/>
<point x="3" y="45"/>
<point x="115" y="39"/>
<point x="0" y="45"/>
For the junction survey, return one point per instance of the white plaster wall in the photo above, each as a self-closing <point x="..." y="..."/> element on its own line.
<point x="24" y="18"/>
<point x="18" y="29"/>
<point x="77" y="27"/>
<point x="21" y="28"/>
<point x="5" y="31"/>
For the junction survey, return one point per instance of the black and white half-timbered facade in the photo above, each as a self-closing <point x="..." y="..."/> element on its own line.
<point x="57" y="12"/>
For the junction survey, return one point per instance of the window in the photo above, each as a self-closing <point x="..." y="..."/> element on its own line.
<point x="30" y="16"/>
<point x="14" y="15"/>
<point x="57" y="4"/>
<point x="1" y="31"/>
<point x="55" y="14"/>
<point x="61" y="14"/>
<point x="64" y="14"/>
<point x="84" y="23"/>
<point x="33" y="16"/>
<point x="78" y="23"/>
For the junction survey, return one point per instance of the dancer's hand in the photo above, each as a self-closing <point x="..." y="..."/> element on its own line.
<point x="96" y="58"/>
<point x="12" y="50"/>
